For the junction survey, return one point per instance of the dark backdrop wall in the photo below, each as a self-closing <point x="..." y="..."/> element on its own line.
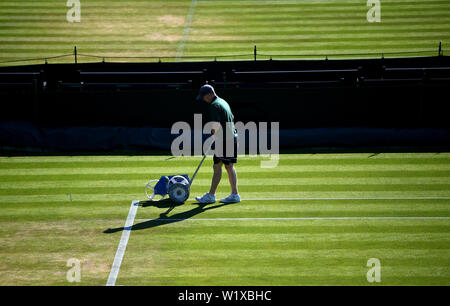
<point x="339" y="103"/>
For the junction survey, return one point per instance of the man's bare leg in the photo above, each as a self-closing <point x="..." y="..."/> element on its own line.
<point x="217" y="175"/>
<point x="232" y="176"/>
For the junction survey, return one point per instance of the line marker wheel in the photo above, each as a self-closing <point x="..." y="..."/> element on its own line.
<point x="176" y="186"/>
<point x="150" y="190"/>
<point x="179" y="192"/>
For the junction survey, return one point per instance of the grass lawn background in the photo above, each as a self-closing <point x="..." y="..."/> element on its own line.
<point x="37" y="29"/>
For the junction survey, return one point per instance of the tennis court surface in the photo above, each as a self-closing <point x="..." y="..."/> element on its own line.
<point x="316" y="219"/>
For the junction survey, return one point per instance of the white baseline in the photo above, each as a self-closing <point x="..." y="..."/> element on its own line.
<point x="122" y="244"/>
<point x="300" y="218"/>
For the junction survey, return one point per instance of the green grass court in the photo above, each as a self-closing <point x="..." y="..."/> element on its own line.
<point x="283" y="233"/>
<point x="37" y="29"/>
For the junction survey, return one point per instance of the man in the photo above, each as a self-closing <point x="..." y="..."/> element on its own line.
<point x="221" y="113"/>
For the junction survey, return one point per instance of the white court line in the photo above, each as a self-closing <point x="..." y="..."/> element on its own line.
<point x="135" y="204"/>
<point x="187" y="28"/>
<point x="300" y="218"/>
<point x="122" y="244"/>
<point x="355" y="198"/>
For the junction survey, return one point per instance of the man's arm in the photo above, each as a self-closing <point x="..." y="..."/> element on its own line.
<point x="215" y="118"/>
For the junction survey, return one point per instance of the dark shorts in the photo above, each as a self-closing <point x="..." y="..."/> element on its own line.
<point x="226" y="160"/>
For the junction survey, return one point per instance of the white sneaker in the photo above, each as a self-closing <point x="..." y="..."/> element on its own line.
<point x="232" y="198"/>
<point x="207" y="198"/>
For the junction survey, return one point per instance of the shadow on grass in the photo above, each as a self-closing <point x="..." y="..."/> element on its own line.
<point x="164" y="218"/>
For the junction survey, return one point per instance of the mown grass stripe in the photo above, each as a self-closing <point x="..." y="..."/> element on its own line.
<point x="290" y="245"/>
<point x="298" y="8"/>
<point x="281" y="19"/>
<point x="256" y="22"/>
<point x="300" y="25"/>
<point x="65" y="37"/>
<point x="244" y="189"/>
<point x="69" y="196"/>
<point x="17" y="185"/>
<point x="123" y="158"/>
<point x="206" y="169"/>
<point x="323" y="24"/>
<point x="236" y="38"/>
<point x="247" y="174"/>
<point x="423" y="38"/>
<point x="174" y="162"/>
